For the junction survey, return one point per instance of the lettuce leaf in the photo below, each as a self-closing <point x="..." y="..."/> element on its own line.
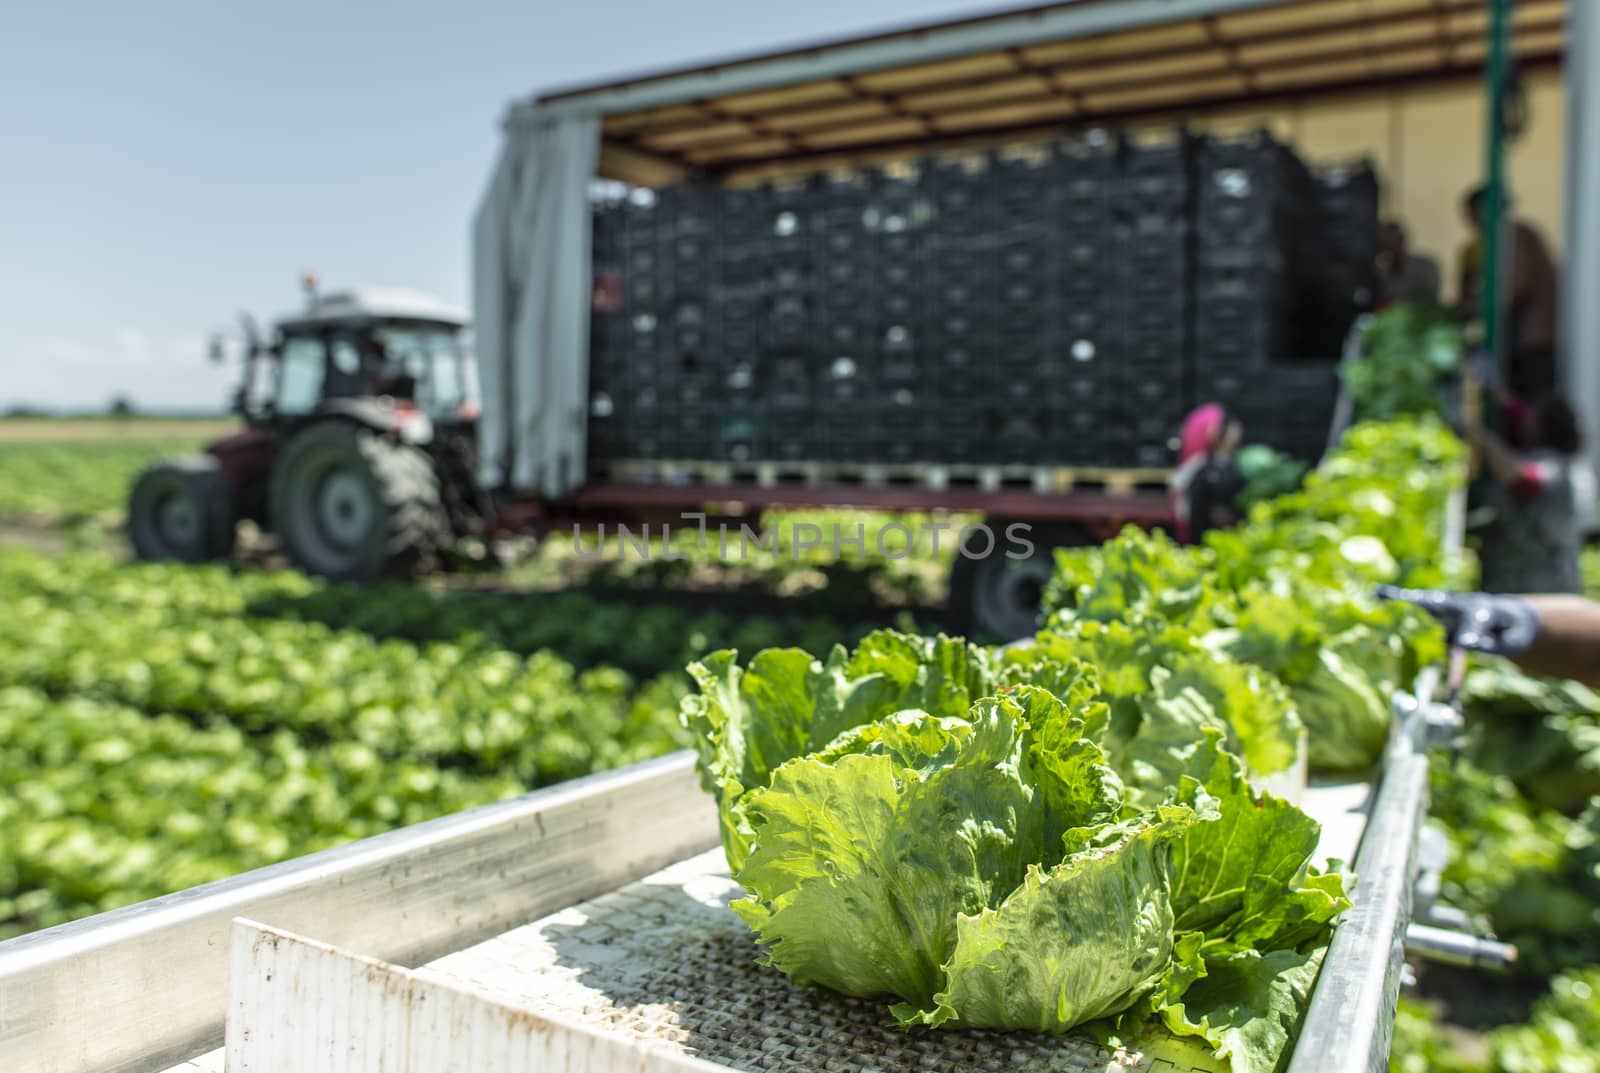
<point x="1250" y="919"/>
<point x="1408" y="350"/>
<point x="1074" y="847"/>
<point x="747" y="722"/>
<point x="867" y="852"/>
<point x="1139" y="570"/>
<point x="1347" y="717"/>
<point x="1162" y="690"/>
<point x="1243" y="879"/>
<point x="1262" y="726"/>
<point x="1096" y="929"/>
<point x="1248" y="1006"/>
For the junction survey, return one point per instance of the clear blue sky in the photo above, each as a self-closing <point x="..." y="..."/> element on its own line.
<point x="165" y="165"/>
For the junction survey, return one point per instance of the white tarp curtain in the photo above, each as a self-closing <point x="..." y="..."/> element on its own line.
<point x="531" y="290"/>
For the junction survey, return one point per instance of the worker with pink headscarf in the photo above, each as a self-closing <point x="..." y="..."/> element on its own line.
<point x="1207" y="482"/>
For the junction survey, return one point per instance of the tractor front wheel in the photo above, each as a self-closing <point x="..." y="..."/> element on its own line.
<point x="352" y="504"/>
<point x="182" y="511"/>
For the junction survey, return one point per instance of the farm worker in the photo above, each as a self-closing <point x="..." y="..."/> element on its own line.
<point x="1552" y="634"/>
<point x="1530" y="368"/>
<point x="1207" y="482"/>
<point x="1532" y="543"/>
<point x="1404" y="275"/>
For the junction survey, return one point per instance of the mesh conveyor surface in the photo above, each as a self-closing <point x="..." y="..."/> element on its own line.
<point x="664" y="960"/>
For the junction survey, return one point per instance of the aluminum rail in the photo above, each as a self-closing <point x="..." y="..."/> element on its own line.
<point x="1580" y="313"/>
<point x="1349" y="1023"/>
<point x="143" y="988"/>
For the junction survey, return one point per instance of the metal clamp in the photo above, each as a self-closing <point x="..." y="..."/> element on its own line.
<point x="1449" y="947"/>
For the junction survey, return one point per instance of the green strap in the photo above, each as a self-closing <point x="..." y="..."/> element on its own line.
<point x="1493" y="224"/>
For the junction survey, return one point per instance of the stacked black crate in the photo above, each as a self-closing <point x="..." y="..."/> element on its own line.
<point x="1347" y="207"/>
<point x="745" y="373"/>
<point x="640" y="375"/>
<point x="608" y="332"/>
<point x="956" y="333"/>
<point x="688" y="320"/>
<point x="787" y="315"/>
<point x="1152" y="220"/>
<point x="1258" y="234"/>
<point x="868" y="376"/>
<point x="1029" y="266"/>
<point x="1084" y="385"/>
<point x="842" y="324"/>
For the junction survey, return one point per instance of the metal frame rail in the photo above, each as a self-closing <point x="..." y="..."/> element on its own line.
<point x="1349" y="1023"/>
<point x="141" y="989"/>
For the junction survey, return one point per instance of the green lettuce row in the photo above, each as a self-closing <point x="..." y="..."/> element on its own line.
<point x="1542" y="733"/>
<point x="914" y="821"/>
<point x="1529" y="872"/>
<point x="102" y="805"/>
<point x="78" y="480"/>
<point x="1289" y="592"/>
<point x="1558" y="1037"/>
<point x="583" y="630"/>
<point x="1561" y="1035"/>
<point x="472" y="708"/>
<point x="1525" y="861"/>
<point x="1408" y="352"/>
<point x="275" y="658"/>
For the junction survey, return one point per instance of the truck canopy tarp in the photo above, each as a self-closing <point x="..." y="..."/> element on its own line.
<point x="1030" y="73"/>
<point x="531" y="296"/>
<point x="1005" y="76"/>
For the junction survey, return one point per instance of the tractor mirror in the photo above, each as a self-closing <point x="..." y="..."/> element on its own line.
<point x="214" y="350"/>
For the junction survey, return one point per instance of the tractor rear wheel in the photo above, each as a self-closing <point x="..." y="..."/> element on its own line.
<point x="352" y="504"/>
<point x="182" y="511"/>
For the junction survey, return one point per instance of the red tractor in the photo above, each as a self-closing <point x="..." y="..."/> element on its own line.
<point x="358" y="449"/>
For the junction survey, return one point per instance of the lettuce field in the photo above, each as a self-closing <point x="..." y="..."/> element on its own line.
<point x="71" y="470"/>
<point x="163" y="726"/>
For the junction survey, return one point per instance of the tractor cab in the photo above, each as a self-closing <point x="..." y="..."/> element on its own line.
<point x="375" y="347"/>
<point x="358" y="449"/>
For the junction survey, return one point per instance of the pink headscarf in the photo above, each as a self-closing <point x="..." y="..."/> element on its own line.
<point x="1199" y="435"/>
<point x="1200" y="431"/>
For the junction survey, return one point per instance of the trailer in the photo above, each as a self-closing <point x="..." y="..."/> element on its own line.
<point x="1015" y="76"/>
<point x="529" y="462"/>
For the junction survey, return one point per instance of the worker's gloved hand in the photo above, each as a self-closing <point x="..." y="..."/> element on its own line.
<point x="1477" y="621"/>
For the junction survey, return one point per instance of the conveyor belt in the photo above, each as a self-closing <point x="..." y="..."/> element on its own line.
<point x="664" y="960"/>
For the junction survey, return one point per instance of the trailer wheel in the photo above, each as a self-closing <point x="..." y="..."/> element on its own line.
<point x="182" y="511"/>
<point x="351" y="504"/>
<point x="995" y="595"/>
